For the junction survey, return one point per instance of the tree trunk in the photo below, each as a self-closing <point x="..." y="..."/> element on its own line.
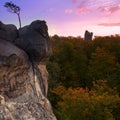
<point x="19" y="20"/>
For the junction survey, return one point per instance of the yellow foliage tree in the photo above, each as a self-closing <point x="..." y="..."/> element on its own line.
<point x="83" y="104"/>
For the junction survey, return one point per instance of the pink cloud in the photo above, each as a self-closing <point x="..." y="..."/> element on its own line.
<point x="81" y="10"/>
<point x="84" y="2"/>
<point x="109" y="9"/>
<point x="80" y="2"/>
<point x="109" y="24"/>
<point x="68" y="11"/>
<point x="74" y="1"/>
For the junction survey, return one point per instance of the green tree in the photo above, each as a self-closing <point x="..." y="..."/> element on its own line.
<point x="78" y="63"/>
<point x="13" y="9"/>
<point x="102" y="65"/>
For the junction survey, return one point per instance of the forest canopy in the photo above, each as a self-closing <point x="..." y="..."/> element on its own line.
<point x="84" y="80"/>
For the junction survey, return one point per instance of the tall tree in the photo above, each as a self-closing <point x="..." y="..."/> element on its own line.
<point x="13" y="9"/>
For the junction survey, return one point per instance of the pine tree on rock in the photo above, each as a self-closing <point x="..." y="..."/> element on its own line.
<point x="13" y="9"/>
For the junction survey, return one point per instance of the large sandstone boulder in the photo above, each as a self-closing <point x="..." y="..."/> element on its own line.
<point x="35" y="41"/>
<point x="23" y="75"/>
<point x="14" y="68"/>
<point x="8" y="32"/>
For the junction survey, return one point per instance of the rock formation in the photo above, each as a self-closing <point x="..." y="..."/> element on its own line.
<point x="88" y="35"/>
<point x="23" y="74"/>
<point x="8" y="32"/>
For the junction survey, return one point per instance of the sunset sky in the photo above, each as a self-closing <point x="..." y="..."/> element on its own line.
<point x="68" y="17"/>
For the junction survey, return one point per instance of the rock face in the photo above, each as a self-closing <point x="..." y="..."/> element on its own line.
<point x="23" y="74"/>
<point x="35" y="41"/>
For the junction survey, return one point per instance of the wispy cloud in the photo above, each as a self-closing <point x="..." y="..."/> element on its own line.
<point x="103" y="6"/>
<point x="68" y="11"/>
<point x="74" y="1"/>
<point x="109" y="9"/>
<point x="109" y="24"/>
<point x="82" y="9"/>
<point x="84" y="2"/>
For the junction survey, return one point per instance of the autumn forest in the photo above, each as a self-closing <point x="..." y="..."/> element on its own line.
<point x="84" y="78"/>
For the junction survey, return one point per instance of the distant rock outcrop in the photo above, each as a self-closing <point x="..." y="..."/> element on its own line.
<point x="23" y="74"/>
<point x="88" y="35"/>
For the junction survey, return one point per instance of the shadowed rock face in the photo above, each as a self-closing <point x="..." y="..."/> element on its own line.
<point x="35" y="41"/>
<point x="8" y="32"/>
<point x="23" y="74"/>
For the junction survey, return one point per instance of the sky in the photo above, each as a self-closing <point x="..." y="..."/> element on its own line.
<point x="68" y="17"/>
